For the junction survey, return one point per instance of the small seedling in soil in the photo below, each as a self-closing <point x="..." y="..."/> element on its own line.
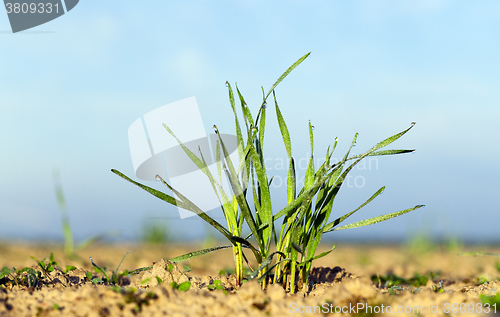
<point x="491" y="300"/>
<point x="438" y="288"/>
<point x="49" y="266"/>
<point x="32" y="278"/>
<point x="396" y="289"/>
<point x="184" y="286"/>
<point x="115" y="276"/>
<point x="215" y="285"/>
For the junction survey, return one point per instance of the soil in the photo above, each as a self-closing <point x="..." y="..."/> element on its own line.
<point x="352" y="279"/>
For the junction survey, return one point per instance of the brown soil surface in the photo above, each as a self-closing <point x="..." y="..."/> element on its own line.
<point x="345" y="280"/>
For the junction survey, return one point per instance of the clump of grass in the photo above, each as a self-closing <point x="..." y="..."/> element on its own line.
<point x="305" y="218"/>
<point x="30" y="277"/>
<point x="16" y="277"/>
<point x="154" y="233"/>
<point x="48" y="266"/>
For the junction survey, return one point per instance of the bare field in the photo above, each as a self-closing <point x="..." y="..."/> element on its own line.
<point x="353" y="279"/>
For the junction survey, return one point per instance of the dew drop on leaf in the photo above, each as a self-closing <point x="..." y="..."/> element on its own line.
<point x="413" y="123"/>
<point x="227" y="84"/>
<point x="215" y="129"/>
<point x="264" y="105"/>
<point x="158" y="178"/>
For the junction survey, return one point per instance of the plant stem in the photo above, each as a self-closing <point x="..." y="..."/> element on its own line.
<point x="238" y="262"/>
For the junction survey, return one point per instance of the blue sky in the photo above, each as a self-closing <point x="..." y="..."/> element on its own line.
<point x="69" y="90"/>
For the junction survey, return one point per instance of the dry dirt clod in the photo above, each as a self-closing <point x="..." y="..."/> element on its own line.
<point x="276" y="292"/>
<point x="251" y="292"/>
<point x="328" y="275"/>
<point x="77" y="276"/>
<point x="167" y="271"/>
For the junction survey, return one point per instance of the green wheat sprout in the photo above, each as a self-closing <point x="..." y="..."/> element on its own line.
<point x="306" y="215"/>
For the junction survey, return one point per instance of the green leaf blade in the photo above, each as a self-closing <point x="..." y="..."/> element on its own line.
<point x="195" y="254"/>
<point x="378" y="219"/>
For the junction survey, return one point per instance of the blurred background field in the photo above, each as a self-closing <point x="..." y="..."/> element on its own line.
<point x="70" y="92"/>
<point x="444" y="261"/>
